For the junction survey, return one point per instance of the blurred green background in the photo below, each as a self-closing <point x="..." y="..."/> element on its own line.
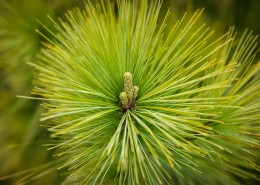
<point x="21" y="136"/>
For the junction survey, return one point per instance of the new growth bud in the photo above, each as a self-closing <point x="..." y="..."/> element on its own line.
<point x="129" y="94"/>
<point x="128" y="85"/>
<point x="135" y="93"/>
<point x="124" y="100"/>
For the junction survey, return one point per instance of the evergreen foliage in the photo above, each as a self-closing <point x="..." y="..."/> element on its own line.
<point x="131" y="95"/>
<point x="196" y="116"/>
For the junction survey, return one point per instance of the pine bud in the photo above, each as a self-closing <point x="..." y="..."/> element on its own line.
<point x="128" y="85"/>
<point x="124" y="100"/>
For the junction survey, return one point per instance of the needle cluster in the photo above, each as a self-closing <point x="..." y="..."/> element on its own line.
<point x="196" y="117"/>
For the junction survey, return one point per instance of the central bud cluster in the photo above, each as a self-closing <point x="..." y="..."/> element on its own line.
<point x="129" y="94"/>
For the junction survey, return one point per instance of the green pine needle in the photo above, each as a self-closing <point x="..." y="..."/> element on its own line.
<point x="196" y="115"/>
